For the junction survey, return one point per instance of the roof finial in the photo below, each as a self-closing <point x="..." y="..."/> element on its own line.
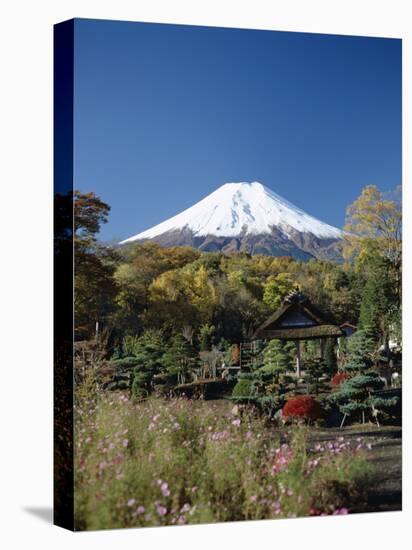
<point x="296" y="297"/>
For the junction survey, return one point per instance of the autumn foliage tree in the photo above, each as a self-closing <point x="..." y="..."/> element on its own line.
<point x="94" y="266"/>
<point x="374" y="241"/>
<point x="374" y="220"/>
<point x="276" y="288"/>
<point x="374" y="228"/>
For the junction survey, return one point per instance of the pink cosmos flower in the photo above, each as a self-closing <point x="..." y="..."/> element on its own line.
<point x="164" y="487"/>
<point x="161" y="510"/>
<point x="131" y="502"/>
<point x="341" y="512"/>
<point x="181" y="520"/>
<point x="236" y="422"/>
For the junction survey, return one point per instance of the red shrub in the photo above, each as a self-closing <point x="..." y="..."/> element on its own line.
<point x="304" y="407"/>
<point x="339" y="378"/>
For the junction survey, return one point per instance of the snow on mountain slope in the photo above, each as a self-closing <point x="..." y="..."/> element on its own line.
<point x="242" y="209"/>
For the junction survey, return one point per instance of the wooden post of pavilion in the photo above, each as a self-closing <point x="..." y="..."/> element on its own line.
<point x="322" y="348"/>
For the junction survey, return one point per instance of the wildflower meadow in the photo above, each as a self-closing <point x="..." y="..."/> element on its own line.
<point x="177" y="461"/>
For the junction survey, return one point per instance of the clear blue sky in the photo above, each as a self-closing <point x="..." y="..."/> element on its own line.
<point x="164" y="114"/>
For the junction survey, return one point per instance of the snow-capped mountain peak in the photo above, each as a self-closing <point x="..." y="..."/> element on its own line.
<point x="243" y="208"/>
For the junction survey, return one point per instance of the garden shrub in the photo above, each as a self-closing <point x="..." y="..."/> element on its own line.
<point x="302" y="407"/>
<point x="244" y="389"/>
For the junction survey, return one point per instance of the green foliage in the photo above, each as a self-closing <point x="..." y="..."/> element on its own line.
<point x="89" y="213"/>
<point x="148" y="352"/>
<point x="180" y="359"/>
<point x="131" y="345"/>
<point x="316" y="369"/>
<point x="360" y="347"/>
<point x="276" y="288"/>
<point x="206" y="337"/>
<point x="276" y="360"/>
<point x="267" y="384"/>
<point x="377" y="299"/>
<point x="309" y="350"/>
<point x="330" y="355"/>
<point x="244" y="390"/>
<point x="94" y="267"/>
<point x="356" y="397"/>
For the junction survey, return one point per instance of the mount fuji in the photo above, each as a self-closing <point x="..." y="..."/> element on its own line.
<point x="247" y="217"/>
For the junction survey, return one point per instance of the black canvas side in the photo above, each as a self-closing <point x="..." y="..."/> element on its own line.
<point x="63" y="275"/>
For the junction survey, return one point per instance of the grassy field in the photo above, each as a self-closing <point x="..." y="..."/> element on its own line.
<point x="177" y="462"/>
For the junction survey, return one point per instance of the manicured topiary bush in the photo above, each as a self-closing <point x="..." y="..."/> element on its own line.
<point x="302" y="407"/>
<point x="244" y="389"/>
<point x="339" y="378"/>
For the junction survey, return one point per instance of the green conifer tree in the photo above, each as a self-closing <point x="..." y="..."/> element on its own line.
<point x="330" y="355"/>
<point x="180" y="359"/>
<point x="377" y="300"/>
<point x="206" y="336"/>
<point x="275" y="360"/>
<point x="356" y="396"/>
<point x="147" y="355"/>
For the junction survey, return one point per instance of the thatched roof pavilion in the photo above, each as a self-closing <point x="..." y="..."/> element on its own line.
<point x="297" y="319"/>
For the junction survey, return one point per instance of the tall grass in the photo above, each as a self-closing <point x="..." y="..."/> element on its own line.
<point x="179" y="461"/>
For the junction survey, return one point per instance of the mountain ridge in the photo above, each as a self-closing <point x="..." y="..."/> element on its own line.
<point x="249" y="217"/>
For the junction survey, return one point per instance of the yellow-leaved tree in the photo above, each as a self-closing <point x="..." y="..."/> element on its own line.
<point x="374" y="224"/>
<point x="374" y="240"/>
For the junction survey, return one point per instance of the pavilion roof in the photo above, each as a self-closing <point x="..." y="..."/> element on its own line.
<point x="297" y="319"/>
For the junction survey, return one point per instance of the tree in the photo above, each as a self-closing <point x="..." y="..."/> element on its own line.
<point x="276" y="289"/>
<point x="147" y="355"/>
<point x="276" y="360"/>
<point x="89" y="214"/>
<point x="206" y="335"/>
<point x="244" y="390"/>
<point x="180" y="359"/>
<point x="360" y="348"/>
<point x="374" y="227"/>
<point x="202" y="294"/>
<point x="374" y="220"/>
<point x="181" y="297"/>
<point x="355" y="395"/>
<point x="315" y="369"/>
<point x="330" y="355"/>
<point x="141" y="265"/>
<point x="94" y="267"/>
<point x="378" y="301"/>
